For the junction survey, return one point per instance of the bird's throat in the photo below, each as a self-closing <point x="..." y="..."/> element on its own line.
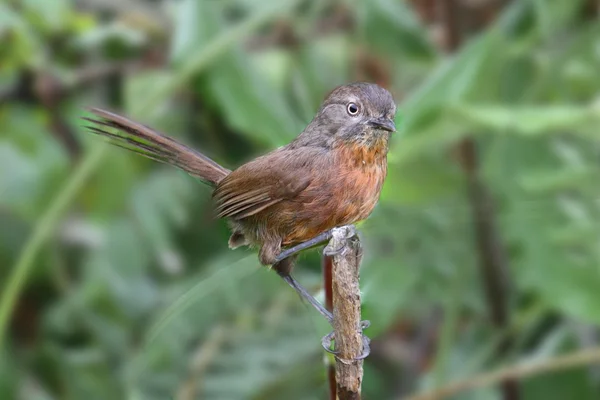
<point x="364" y="153"/>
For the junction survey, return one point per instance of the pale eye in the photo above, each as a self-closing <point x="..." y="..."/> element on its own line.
<point x="352" y="109"/>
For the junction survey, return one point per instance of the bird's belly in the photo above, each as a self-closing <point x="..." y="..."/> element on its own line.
<point x="349" y="198"/>
<point x="342" y="194"/>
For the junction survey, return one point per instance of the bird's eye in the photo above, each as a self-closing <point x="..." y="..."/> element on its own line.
<point x="352" y="109"/>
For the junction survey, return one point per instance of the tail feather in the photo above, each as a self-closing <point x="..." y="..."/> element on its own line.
<point x="147" y="142"/>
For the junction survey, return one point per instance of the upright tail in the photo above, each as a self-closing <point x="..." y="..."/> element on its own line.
<point x="145" y="141"/>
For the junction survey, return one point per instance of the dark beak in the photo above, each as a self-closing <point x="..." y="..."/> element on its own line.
<point x="383" y="123"/>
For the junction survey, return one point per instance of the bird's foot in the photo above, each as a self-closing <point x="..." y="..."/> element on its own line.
<point x="339" y="237"/>
<point x="328" y="339"/>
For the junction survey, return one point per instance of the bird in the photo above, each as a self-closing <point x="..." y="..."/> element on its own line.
<point x="291" y="198"/>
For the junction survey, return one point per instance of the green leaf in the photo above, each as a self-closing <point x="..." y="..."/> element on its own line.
<point x="528" y="120"/>
<point x="393" y="27"/>
<point x="52" y="16"/>
<point x="249" y="101"/>
<point x="197" y="60"/>
<point x="9" y="376"/>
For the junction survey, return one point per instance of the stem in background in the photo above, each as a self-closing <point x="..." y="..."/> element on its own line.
<point x="493" y="261"/>
<point x="347" y="254"/>
<point x="42" y="232"/>
<point x="327" y="281"/>
<point x="327" y="287"/>
<point x="492" y="258"/>
<point x="43" y="88"/>
<point x="514" y="373"/>
<point x="202" y="359"/>
<point x="451" y="312"/>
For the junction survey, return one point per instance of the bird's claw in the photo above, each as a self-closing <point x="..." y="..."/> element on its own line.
<point x="328" y="251"/>
<point x="326" y="343"/>
<point x="342" y="234"/>
<point x="345" y="232"/>
<point x="328" y="339"/>
<point x="366" y="348"/>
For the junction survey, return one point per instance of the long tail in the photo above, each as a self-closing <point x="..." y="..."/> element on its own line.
<point x="149" y="143"/>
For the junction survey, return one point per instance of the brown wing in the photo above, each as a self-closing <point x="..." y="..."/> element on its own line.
<point x="261" y="183"/>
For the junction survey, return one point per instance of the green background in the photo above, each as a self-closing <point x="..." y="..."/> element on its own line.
<point x="117" y="283"/>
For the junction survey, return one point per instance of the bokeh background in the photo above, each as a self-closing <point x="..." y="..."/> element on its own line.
<point x="484" y="252"/>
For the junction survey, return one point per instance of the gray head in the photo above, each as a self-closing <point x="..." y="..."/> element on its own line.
<point x="358" y="112"/>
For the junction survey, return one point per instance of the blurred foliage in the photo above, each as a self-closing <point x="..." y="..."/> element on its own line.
<point x="117" y="283"/>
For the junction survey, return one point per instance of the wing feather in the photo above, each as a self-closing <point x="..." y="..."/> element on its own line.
<point x="262" y="183"/>
<point x="234" y="206"/>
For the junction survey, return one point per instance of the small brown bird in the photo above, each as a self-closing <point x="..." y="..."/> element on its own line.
<point x="331" y="175"/>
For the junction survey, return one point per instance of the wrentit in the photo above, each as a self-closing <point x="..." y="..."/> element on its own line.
<point x="330" y="175"/>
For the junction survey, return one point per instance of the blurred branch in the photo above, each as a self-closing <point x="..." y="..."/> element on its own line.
<point x="207" y="352"/>
<point x="92" y="74"/>
<point x="50" y="92"/>
<point x="426" y="9"/>
<point x="492" y="257"/>
<point x="342" y="19"/>
<point x="22" y="90"/>
<point x="126" y="7"/>
<point x="449" y="13"/>
<point x="43" y="231"/>
<point x="513" y="373"/>
<point x="493" y="261"/>
<point x="493" y="264"/>
<point x="46" y="89"/>
<point x="64" y="134"/>
<point x="347" y="253"/>
<point x="371" y="68"/>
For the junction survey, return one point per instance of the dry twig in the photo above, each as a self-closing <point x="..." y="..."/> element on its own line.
<point x="346" y="251"/>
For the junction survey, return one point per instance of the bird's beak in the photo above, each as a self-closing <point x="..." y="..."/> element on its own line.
<point x="383" y="123"/>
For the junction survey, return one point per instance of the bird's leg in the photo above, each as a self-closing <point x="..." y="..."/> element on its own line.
<point x="283" y="264"/>
<point x="329" y="338"/>
<point x="283" y="267"/>
<point x="323" y="237"/>
<point x="308" y="297"/>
